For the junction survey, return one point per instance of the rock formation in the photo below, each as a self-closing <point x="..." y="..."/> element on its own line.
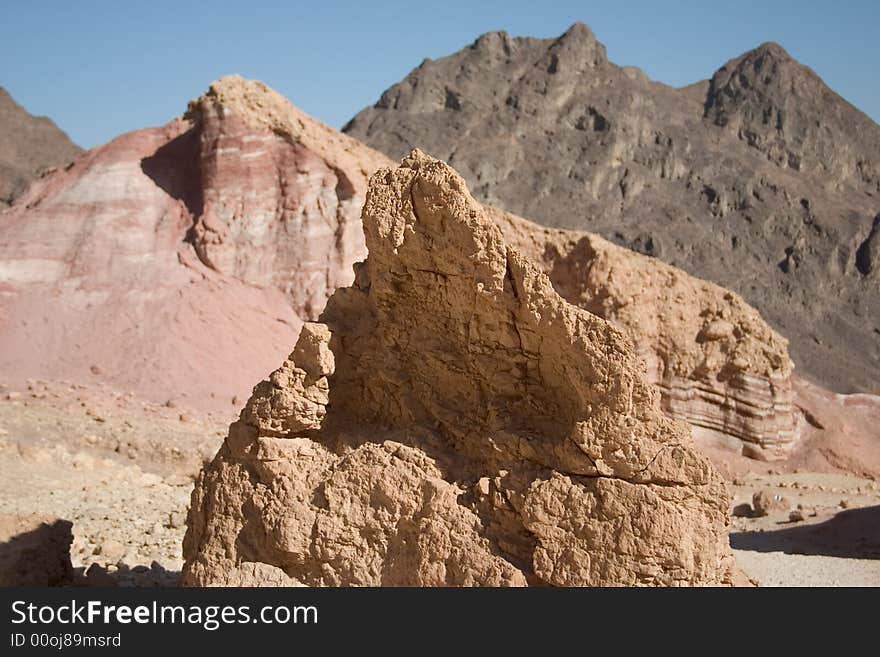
<point x="35" y="551"/>
<point x="761" y="179"/>
<point x="453" y="421"/>
<point x="30" y="146"/>
<point x="281" y="194"/>
<point x="717" y="363"/>
<point x="182" y="259"/>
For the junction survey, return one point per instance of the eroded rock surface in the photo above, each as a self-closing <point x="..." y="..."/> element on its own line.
<point x="281" y="193"/>
<point x="717" y="363"/>
<point x="471" y="427"/>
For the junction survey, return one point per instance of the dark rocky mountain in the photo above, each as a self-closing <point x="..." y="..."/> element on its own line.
<point x="29" y="146"/>
<point x="761" y="179"/>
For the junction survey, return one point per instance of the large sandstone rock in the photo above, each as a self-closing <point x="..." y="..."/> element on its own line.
<point x="717" y="363"/>
<point x="183" y="259"/>
<point x="35" y="551"/>
<point x="30" y="146"/>
<point x="453" y="421"/>
<point x="762" y="179"/>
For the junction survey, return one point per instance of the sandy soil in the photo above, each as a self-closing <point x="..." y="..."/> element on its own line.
<point x="122" y="470"/>
<point x="836" y="544"/>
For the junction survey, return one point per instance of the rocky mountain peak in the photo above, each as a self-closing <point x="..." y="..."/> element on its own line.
<point x="579" y="47"/>
<point x="761" y="179"/>
<point x="761" y="74"/>
<point x="579" y="32"/>
<point x="772" y="49"/>
<point x="783" y="108"/>
<point x="497" y="43"/>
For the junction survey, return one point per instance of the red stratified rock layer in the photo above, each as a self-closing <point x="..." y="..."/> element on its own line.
<point x="179" y="261"/>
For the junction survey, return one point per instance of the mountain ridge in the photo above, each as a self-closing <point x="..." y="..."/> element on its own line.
<point x="29" y="147"/>
<point x="760" y="179"/>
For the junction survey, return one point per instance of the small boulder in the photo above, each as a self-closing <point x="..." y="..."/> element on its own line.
<point x="766" y="503"/>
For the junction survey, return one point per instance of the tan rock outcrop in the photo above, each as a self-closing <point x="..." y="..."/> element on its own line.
<point x="471" y="427"/>
<point x="716" y="361"/>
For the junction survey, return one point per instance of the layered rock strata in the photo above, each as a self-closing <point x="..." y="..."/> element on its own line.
<point x="181" y="260"/>
<point x="281" y="193"/>
<point x="716" y="362"/>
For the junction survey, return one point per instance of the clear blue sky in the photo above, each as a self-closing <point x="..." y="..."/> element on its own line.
<point x="102" y="68"/>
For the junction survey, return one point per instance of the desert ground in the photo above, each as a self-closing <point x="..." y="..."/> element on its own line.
<point x="122" y="471"/>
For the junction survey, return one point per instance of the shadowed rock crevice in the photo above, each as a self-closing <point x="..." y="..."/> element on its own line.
<point x="868" y="253"/>
<point x="175" y="167"/>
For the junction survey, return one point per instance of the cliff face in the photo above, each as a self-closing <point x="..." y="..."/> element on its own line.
<point x="453" y="421"/>
<point x="761" y="179"/>
<point x="182" y="259"/>
<point x="30" y="146"/>
<point x="716" y="362"/>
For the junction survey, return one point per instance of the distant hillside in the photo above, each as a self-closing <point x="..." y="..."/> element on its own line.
<point x="29" y="145"/>
<point x="761" y="179"/>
